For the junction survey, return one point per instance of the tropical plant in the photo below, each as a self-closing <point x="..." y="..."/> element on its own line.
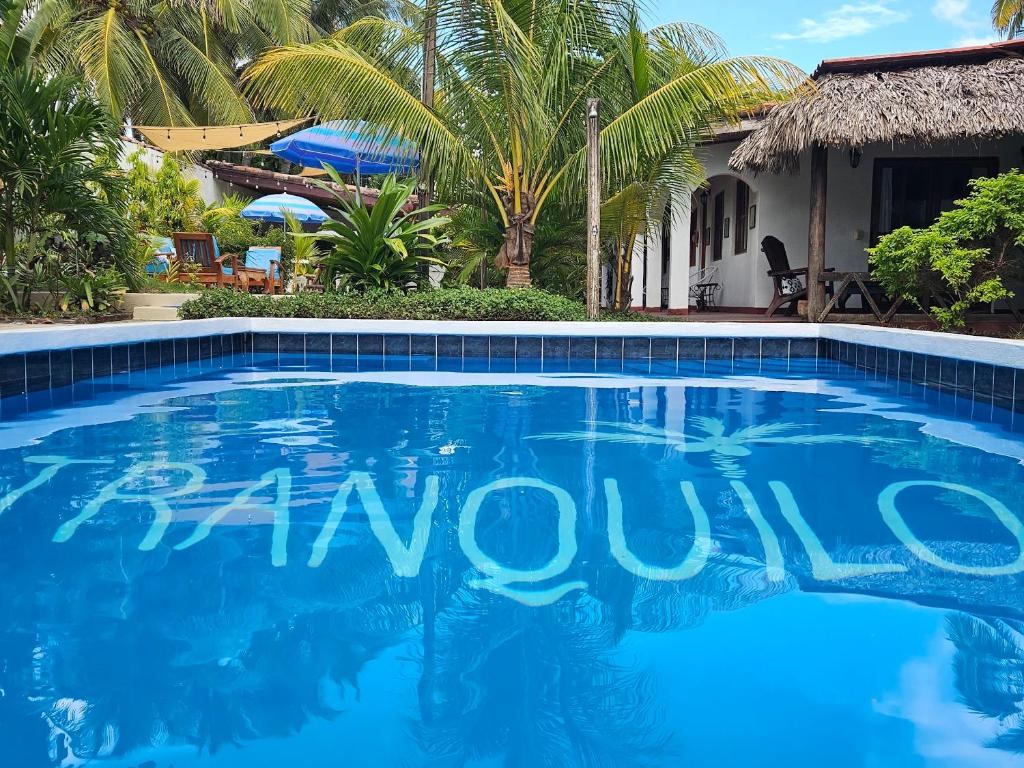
<point x="508" y="122"/>
<point x="988" y="667"/>
<point x="304" y="250"/>
<point x="62" y="198"/>
<point x="963" y="258"/>
<point x="93" y="291"/>
<point x="165" y="200"/>
<point x="1008" y="16"/>
<point x="163" y="63"/>
<point x="387" y="246"/>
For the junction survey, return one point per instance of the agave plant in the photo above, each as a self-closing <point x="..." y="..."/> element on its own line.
<point x="724" y="447"/>
<point x="386" y="246"/>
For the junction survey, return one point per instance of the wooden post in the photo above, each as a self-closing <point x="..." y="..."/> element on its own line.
<point x="593" y="211"/>
<point x="427" y="95"/>
<point x="816" y="233"/>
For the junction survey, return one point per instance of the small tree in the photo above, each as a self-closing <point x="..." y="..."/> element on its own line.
<point x="963" y="258"/>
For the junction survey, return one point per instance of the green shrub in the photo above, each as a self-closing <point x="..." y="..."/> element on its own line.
<point x="963" y="258"/>
<point x="444" y="304"/>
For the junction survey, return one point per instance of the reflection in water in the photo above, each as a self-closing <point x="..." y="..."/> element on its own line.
<point x="401" y="575"/>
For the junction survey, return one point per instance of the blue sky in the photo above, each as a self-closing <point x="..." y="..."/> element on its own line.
<point x="805" y="33"/>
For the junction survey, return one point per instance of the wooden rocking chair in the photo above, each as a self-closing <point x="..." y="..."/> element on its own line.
<point x="214" y="268"/>
<point x="790" y="284"/>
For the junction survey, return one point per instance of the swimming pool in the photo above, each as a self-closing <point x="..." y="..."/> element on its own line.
<point x="367" y="551"/>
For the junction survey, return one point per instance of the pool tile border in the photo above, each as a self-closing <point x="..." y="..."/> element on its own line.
<point x="985" y="371"/>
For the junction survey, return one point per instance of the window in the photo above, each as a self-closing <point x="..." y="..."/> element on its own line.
<point x="719" y="224"/>
<point x="742" y="212"/>
<point x="912" y="192"/>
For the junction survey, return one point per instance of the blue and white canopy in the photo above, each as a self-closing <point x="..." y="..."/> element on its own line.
<point x="348" y="146"/>
<point x="271" y="207"/>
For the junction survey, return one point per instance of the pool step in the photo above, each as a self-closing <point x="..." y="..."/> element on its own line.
<point x="155" y="313"/>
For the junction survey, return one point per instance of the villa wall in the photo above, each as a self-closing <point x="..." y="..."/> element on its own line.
<point x="783" y="203"/>
<point x="211" y="189"/>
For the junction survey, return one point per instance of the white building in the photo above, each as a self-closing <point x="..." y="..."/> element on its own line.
<point x="900" y="136"/>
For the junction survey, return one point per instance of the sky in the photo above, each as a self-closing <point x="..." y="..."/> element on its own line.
<point x="805" y="32"/>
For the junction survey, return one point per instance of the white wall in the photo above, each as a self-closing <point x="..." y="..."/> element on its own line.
<point x="783" y="203"/>
<point x="212" y="190"/>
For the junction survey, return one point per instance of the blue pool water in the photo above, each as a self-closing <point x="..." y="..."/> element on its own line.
<point x="261" y="566"/>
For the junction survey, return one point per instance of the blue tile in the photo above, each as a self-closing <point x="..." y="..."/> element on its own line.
<point x="397" y="345"/>
<point x="746" y="348"/>
<point x="343" y="344"/>
<point x="180" y="351"/>
<point x="81" y="364"/>
<point x="719" y="349"/>
<point x="422" y="362"/>
<point x="119" y="358"/>
<point x="396" y="361"/>
<point x="37" y="371"/>
<point x="424" y="345"/>
<point x="1003" y="386"/>
<point x="692" y="348"/>
<point x="664" y="348"/>
<point x="528" y="348"/>
<point x="318" y="343"/>
<point x="636" y="348"/>
<point x="167" y="352"/>
<point x="476" y="346"/>
<point x="205" y="348"/>
<point x="503" y="347"/>
<point x="136" y="357"/>
<point x="195" y="348"/>
<point x="609" y="348"/>
<point x="803" y="347"/>
<point x="370" y="362"/>
<point x="777" y="348"/>
<point x="101" y="361"/>
<point x="582" y="348"/>
<point x="12" y="375"/>
<point x="370" y="344"/>
<point x="449" y="346"/>
<point x="60" y="368"/>
<point x="984" y="375"/>
<point x="290" y="344"/>
<point x="262" y="344"/>
<point x="556" y="348"/>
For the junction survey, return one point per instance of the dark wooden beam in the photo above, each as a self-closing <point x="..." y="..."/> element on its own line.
<point x="816" y="231"/>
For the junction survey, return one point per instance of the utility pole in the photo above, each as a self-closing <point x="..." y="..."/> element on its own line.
<point x="593" y="210"/>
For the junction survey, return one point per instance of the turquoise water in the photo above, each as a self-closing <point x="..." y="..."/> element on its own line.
<point x="262" y="566"/>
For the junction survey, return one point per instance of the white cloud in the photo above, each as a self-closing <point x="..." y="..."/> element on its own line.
<point x="974" y="26"/>
<point x="848" y="20"/>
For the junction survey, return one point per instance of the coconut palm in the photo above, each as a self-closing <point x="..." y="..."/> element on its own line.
<point x="712" y="437"/>
<point x="513" y="81"/>
<point x="1008" y="16"/>
<point x="164" y="63"/>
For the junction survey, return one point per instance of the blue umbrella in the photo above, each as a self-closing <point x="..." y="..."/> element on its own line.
<point x="270" y="208"/>
<point x="348" y="146"/>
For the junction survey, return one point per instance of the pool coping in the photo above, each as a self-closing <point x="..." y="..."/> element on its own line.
<point x="1001" y="352"/>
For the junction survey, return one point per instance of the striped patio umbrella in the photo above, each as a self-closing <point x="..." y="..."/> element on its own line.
<point x="270" y="208"/>
<point x="348" y="146"/>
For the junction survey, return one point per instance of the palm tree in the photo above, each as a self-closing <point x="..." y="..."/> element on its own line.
<point x="988" y="667"/>
<point x="513" y="79"/>
<point x="1008" y="17"/>
<point x="169" y="63"/>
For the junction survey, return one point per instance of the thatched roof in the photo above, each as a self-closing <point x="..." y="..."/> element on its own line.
<point x="923" y="99"/>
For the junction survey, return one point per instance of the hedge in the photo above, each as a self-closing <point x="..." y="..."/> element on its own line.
<point x="443" y="304"/>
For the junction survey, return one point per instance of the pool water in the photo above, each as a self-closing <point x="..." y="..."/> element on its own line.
<point x="264" y="566"/>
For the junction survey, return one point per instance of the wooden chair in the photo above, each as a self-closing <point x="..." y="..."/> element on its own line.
<point x="214" y="268"/>
<point x="263" y="269"/>
<point x="786" y="280"/>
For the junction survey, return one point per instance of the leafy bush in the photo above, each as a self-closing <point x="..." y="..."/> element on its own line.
<point x="96" y="292"/>
<point x="165" y="200"/>
<point x="445" y="304"/>
<point x="382" y="247"/>
<point x="963" y="258"/>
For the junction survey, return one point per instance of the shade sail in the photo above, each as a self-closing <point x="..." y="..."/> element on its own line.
<point x="214" y="136"/>
<point x="271" y="207"/>
<point x="348" y="146"/>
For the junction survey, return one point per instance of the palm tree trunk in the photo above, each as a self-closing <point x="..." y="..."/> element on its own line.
<point x="517" y="250"/>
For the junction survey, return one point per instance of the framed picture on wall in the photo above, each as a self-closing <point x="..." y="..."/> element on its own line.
<point x="752" y="218"/>
<point x="725" y="227"/>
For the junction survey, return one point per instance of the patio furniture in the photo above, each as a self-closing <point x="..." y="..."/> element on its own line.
<point x="790" y="284"/>
<point x="704" y="287"/>
<point x="263" y="269"/>
<point x="201" y="248"/>
<point x="163" y="253"/>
